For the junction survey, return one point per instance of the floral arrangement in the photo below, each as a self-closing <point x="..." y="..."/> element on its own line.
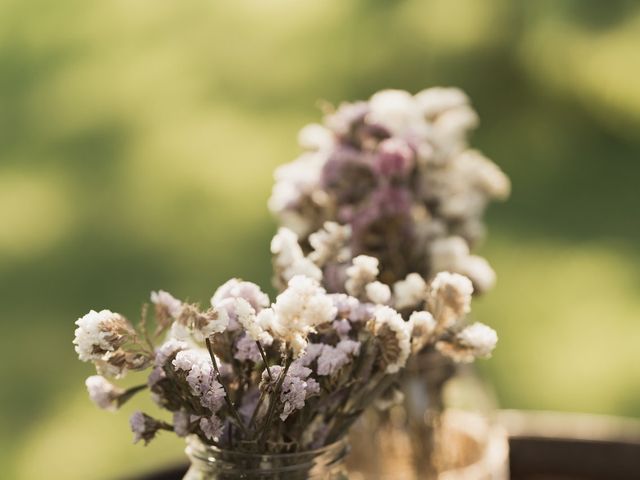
<point x="397" y="169"/>
<point x="280" y="377"/>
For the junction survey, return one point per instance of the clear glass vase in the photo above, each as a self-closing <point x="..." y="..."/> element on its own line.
<point x="443" y="428"/>
<point x="212" y="463"/>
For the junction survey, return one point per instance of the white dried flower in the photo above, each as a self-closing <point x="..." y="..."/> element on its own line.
<point x="236" y="288"/>
<point x="289" y="260"/>
<point x="316" y="137"/>
<point x="103" y="393"/>
<point x="450" y="297"/>
<point x="330" y="244"/>
<point x="480" y="338"/>
<point x="363" y="270"/>
<point x="397" y="111"/>
<point x="246" y="317"/>
<point x="378" y="292"/>
<point x="99" y="333"/>
<point x="182" y="422"/>
<point x="297" y="311"/>
<point x="168" y="302"/>
<point x="422" y="323"/>
<point x="410" y="292"/>
<point x="394" y="337"/>
<point x="296" y="387"/>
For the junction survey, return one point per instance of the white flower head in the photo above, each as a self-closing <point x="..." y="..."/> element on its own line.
<point x="298" y="311"/>
<point x="394" y="336"/>
<point x="450" y="297"/>
<point x="378" y="292"/>
<point x="330" y="244"/>
<point x="167" y="302"/>
<point x="103" y="393"/>
<point x="288" y="258"/>
<point x="481" y="338"/>
<point x="397" y="111"/>
<point x="246" y="317"/>
<point x="236" y="288"/>
<point x="364" y="270"/>
<point x="99" y="333"/>
<point x="410" y="292"/>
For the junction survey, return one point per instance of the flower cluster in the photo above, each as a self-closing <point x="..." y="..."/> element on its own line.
<point x="432" y="314"/>
<point x="398" y="172"/>
<point x="257" y="375"/>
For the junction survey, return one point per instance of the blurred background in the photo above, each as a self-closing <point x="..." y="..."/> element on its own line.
<point x="138" y="140"/>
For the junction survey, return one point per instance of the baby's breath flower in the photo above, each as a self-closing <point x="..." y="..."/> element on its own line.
<point x="103" y="393"/>
<point x="246" y="317"/>
<point x="481" y="338"/>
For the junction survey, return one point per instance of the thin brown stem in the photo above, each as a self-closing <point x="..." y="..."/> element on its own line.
<point x="264" y="359"/>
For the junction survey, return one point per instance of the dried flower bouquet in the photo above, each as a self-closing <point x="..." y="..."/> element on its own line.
<point x="250" y="376"/>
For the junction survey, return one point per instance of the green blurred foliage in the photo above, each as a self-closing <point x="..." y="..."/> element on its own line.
<point x="137" y="141"/>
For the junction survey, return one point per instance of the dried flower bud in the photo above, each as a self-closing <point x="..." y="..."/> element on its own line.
<point x="378" y="292"/>
<point x="475" y="341"/>
<point x="394" y="338"/>
<point x="450" y="298"/>
<point x="144" y="427"/>
<point x="410" y="292"/>
<point x="103" y="393"/>
<point x="364" y="270"/>
<point x="289" y="260"/>
<point x="330" y="244"/>
<point x="99" y="333"/>
<point x="167" y="307"/>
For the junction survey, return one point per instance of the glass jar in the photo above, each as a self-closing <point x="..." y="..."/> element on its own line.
<point x="441" y="428"/>
<point x="212" y="463"/>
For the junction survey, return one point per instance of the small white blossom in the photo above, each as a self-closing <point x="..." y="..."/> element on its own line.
<point x="298" y="310"/>
<point x="246" y="317"/>
<point x="167" y="301"/>
<point x="236" y="288"/>
<point x="481" y="338"/>
<point x="103" y="393"/>
<point x="410" y="292"/>
<point x="289" y="260"/>
<point x="450" y="297"/>
<point x="378" y="292"/>
<point x="422" y="323"/>
<point x="363" y="271"/>
<point x="397" y="111"/>
<point x="330" y="244"/>
<point x="99" y="333"/>
<point x="394" y="336"/>
<point x="316" y="137"/>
